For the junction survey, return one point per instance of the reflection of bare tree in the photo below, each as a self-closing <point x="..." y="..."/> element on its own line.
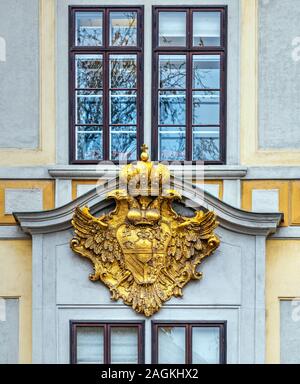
<point x="89" y="110"/>
<point x="172" y="146"/>
<point x="207" y="149"/>
<point x="89" y="146"/>
<point x="124" y="146"/>
<point x="123" y="108"/>
<point x="88" y="36"/>
<point x="172" y="74"/>
<point x="172" y="108"/>
<point x="89" y="73"/>
<point x="123" y="71"/>
<point x="125" y="35"/>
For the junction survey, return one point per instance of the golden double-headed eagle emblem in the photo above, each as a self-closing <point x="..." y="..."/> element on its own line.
<point x="144" y="251"/>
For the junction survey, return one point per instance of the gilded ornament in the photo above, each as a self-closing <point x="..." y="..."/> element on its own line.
<point x="143" y="250"/>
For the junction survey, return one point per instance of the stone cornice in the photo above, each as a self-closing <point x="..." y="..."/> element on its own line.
<point x="231" y="218"/>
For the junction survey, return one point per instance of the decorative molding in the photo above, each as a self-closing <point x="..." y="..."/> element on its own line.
<point x="229" y="217"/>
<point x="230" y="172"/>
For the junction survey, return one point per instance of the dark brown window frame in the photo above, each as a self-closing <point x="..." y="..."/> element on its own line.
<point x="188" y="325"/>
<point x="189" y="50"/>
<point x="106" y="49"/>
<point x="107" y="325"/>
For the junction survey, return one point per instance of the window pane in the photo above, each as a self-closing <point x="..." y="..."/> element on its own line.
<point x="124" y="345"/>
<point x="89" y="28"/>
<point x="90" y="345"/>
<point x="206" y="143"/>
<point x="171" y="345"/>
<point x="206" y="29"/>
<point x="172" y="71"/>
<point x="123" y="107"/>
<point x="89" y="107"/>
<point x="123" y="72"/>
<point x="123" y="28"/>
<point x="172" y="107"/>
<point x="89" y="71"/>
<point x="89" y="143"/>
<point x="206" y="71"/>
<point x="171" y="143"/>
<point x="206" y="345"/>
<point x="172" y="29"/>
<point x="123" y="143"/>
<point x="206" y="108"/>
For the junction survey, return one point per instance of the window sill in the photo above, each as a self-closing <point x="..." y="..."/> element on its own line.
<point x="229" y="172"/>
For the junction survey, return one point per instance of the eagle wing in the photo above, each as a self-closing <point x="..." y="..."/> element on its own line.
<point x="193" y="240"/>
<point x="94" y="235"/>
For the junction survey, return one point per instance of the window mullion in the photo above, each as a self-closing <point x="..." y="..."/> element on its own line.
<point x="189" y="107"/>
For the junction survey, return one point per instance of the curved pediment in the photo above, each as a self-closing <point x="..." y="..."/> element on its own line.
<point x="193" y="198"/>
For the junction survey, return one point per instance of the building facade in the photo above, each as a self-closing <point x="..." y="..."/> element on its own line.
<point x="212" y="88"/>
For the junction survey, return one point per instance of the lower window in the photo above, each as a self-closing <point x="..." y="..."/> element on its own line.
<point x="107" y="343"/>
<point x="188" y="343"/>
<point x="96" y="342"/>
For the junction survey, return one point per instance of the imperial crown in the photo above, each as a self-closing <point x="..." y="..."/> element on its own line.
<point x="144" y="178"/>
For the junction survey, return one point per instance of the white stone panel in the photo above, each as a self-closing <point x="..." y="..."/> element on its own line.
<point x="23" y="200"/>
<point x="213" y="189"/>
<point x="265" y="200"/>
<point x="84" y="188"/>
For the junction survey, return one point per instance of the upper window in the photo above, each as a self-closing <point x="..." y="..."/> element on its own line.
<point x="106" y="58"/>
<point x="107" y="343"/>
<point x="189" y="78"/>
<point x="189" y="342"/>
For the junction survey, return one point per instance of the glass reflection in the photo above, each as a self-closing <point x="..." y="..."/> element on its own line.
<point x="171" y="143"/>
<point x="123" y="72"/>
<point x="123" y="107"/>
<point x="88" y="28"/>
<point x="172" y="29"/>
<point x="206" y="29"/>
<point x="123" y="28"/>
<point x="172" y="106"/>
<point x="89" y="71"/>
<point x="90" y="345"/>
<point x="89" y="143"/>
<point x="206" y="143"/>
<point x="123" y="143"/>
<point x="89" y="107"/>
<point x="206" y="345"/>
<point x="171" y="345"/>
<point x="206" y="108"/>
<point x="172" y="71"/>
<point x="124" y="345"/>
<point x="206" y="71"/>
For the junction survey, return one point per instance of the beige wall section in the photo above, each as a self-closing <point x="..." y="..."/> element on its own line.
<point x="15" y="267"/>
<point x="282" y="282"/>
<point x="45" y="154"/>
<point x="283" y="188"/>
<point x="46" y="186"/>
<point x="250" y="153"/>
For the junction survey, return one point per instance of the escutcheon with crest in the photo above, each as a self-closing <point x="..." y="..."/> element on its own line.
<point x="144" y="251"/>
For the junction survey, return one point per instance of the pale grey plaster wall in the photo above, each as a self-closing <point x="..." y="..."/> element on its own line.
<point x="9" y="331"/>
<point x="279" y="74"/>
<point x="19" y="74"/>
